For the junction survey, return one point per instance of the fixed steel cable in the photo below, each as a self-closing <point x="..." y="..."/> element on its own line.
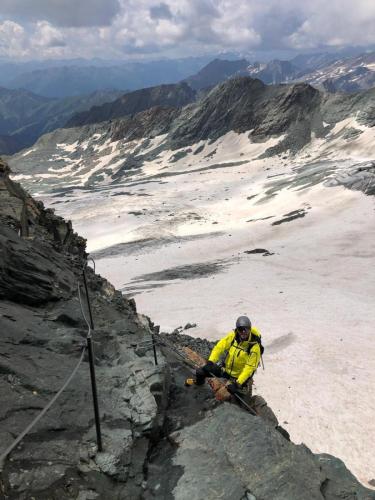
<point x="82" y="311"/>
<point x="56" y="396"/>
<point x="90" y="350"/>
<point x="44" y="411"/>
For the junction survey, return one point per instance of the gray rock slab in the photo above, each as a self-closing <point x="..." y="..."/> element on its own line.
<point x="230" y="453"/>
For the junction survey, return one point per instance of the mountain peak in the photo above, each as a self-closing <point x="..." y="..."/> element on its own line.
<point x="215" y="72"/>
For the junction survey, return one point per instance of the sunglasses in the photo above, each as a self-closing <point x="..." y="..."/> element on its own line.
<point x="243" y="329"/>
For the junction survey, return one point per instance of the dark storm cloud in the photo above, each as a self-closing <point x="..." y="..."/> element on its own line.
<point x="62" y="13"/>
<point x="161" y="11"/>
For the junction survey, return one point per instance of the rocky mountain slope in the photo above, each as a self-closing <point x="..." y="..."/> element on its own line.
<point x="176" y="95"/>
<point x="294" y="115"/>
<point x="160" y="439"/>
<point x="344" y="75"/>
<point x="43" y="332"/>
<point x="25" y="116"/>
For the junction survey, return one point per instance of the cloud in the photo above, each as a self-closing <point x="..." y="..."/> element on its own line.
<point x="127" y="28"/>
<point x="64" y="13"/>
<point x="335" y="23"/>
<point x="13" y="40"/>
<point x="47" y="36"/>
<point x="160" y="11"/>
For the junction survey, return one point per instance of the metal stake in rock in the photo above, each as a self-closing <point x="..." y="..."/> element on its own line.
<point x="92" y="368"/>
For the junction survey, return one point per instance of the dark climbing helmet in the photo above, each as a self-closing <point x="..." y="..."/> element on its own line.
<point x="243" y="322"/>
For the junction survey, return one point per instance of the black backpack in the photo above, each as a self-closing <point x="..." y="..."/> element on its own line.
<point x="258" y="340"/>
<point x="254" y="339"/>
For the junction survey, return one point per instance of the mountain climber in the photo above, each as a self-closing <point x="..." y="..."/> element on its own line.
<point x="235" y="357"/>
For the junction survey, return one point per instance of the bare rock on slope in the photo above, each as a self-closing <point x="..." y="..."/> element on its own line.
<point x="43" y="334"/>
<point x="256" y="460"/>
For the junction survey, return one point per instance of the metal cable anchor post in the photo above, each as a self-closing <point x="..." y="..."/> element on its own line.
<point x="156" y="330"/>
<point x="92" y="368"/>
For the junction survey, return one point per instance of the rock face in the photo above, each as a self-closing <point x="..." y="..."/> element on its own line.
<point x="43" y="332"/>
<point x="149" y="123"/>
<point x="245" y="104"/>
<point x="39" y="252"/>
<point x="257" y="462"/>
<point x="160" y="439"/>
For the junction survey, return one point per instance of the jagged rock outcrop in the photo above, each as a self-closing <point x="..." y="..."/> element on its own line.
<point x="43" y="332"/>
<point x="245" y="104"/>
<point x="39" y="254"/>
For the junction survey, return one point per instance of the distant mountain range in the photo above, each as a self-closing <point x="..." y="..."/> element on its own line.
<point x="325" y="71"/>
<point x="344" y="75"/>
<point x="277" y="120"/>
<point x="215" y="72"/>
<point x="25" y="116"/>
<point x="334" y="76"/>
<point x="75" y="78"/>
<point x="59" y="78"/>
<point x="273" y="72"/>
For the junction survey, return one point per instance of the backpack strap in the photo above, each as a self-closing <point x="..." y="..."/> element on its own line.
<point x="255" y="339"/>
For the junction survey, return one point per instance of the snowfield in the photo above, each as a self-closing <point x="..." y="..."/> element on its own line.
<point x="206" y="235"/>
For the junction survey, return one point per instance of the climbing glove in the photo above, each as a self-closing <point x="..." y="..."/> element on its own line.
<point x="210" y="365"/>
<point x="233" y="388"/>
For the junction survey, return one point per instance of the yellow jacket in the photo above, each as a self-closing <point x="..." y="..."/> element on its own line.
<point x="243" y="357"/>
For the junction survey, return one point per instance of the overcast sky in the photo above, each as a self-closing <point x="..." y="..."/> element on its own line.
<point x="111" y="29"/>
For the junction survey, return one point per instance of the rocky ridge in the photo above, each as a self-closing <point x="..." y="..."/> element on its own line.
<point x="292" y="116"/>
<point x="42" y="336"/>
<point x="161" y="440"/>
<point x="174" y="95"/>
